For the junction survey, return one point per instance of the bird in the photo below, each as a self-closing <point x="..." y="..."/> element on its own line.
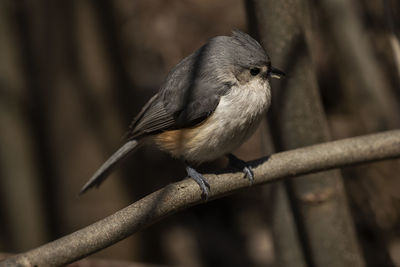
<point x="209" y="104"/>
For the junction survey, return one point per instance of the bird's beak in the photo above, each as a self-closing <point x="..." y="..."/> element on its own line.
<point x="276" y="73"/>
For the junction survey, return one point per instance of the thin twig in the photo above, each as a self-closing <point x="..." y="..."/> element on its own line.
<point x="186" y="193"/>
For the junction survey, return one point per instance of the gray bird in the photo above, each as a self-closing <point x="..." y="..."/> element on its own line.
<point x="209" y="104"/>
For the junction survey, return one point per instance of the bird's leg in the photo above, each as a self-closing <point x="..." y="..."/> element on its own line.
<point x="240" y="164"/>
<point x="200" y="180"/>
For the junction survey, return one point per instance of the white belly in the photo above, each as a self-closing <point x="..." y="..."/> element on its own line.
<point x="235" y="119"/>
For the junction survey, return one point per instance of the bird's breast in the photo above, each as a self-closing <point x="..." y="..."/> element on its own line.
<point x="234" y="120"/>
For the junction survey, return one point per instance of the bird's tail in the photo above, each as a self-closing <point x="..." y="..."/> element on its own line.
<point x="101" y="174"/>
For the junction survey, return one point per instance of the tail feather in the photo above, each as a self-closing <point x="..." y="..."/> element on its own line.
<point x="101" y="174"/>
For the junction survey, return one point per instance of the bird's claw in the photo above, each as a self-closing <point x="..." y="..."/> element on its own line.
<point x="240" y="164"/>
<point x="248" y="172"/>
<point x="200" y="180"/>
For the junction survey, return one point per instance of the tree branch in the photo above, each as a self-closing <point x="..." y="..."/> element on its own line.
<point x="186" y="193"/>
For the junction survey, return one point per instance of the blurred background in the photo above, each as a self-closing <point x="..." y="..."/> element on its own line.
<point x="74" y="73"/>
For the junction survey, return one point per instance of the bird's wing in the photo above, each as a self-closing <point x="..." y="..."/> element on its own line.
<point x="152" y="118"/>
<point x="186" y="99"/>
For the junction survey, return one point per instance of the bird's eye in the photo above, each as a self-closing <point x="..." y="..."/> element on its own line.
<point x="254" y="71"/>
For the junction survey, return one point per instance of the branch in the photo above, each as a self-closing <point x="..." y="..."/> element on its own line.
<point x="186" y="193"/>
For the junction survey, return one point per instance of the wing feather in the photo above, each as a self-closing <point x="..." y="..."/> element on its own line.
<point x="187" y="98"/>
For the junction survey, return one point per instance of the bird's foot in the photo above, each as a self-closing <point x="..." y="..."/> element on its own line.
<point x="241" y="164"/>
<point x="200" y="180"/>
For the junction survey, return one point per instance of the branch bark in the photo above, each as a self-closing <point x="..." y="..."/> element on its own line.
<point x="183" y="194"/>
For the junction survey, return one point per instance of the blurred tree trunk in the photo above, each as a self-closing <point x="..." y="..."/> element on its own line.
<point x="288" y="247"/>
<point x="371" y="93"/>
<point x="24" y="218"/>
<point x="318" y="201"/>
<point x="363" y="61"/>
